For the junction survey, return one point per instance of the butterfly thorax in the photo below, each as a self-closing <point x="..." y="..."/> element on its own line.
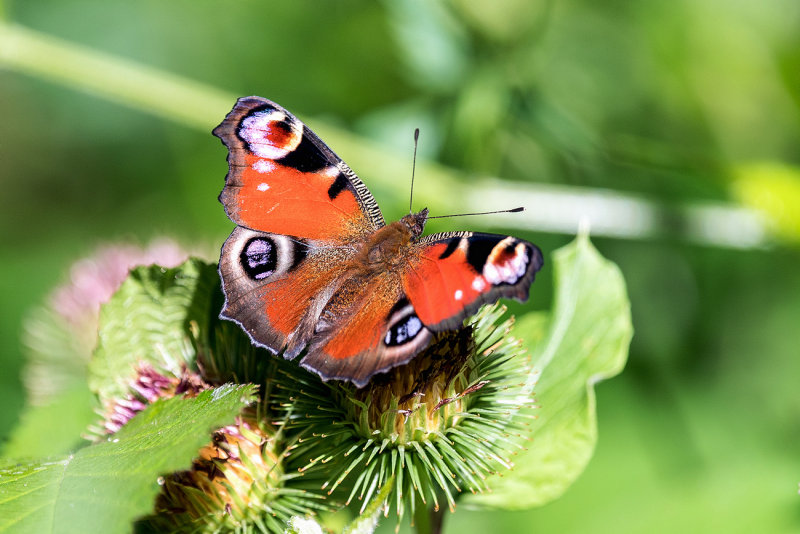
<point x="386" y="247"/>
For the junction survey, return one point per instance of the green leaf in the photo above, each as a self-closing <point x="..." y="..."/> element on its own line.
<point x="104" y="487"/>
<point x="149" y="320"/>
<point x="587" y="341"/>
<point x="54" y="428"/>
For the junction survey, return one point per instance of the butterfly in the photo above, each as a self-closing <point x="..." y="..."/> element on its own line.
<point x="312" y="268"/>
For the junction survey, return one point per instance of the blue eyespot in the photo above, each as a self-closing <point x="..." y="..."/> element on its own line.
<point x="258" y="258"/>
<point x="403" y="331"/>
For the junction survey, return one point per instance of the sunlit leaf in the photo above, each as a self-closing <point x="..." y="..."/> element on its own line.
<point x="587" y="340"/>
<point x="53" y="428"/>
<point x="104" y="487"/>
<point x="303" y="525"/>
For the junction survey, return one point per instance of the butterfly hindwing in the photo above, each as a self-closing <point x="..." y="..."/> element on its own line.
<point x="376" y="331"/>
<point x="455" y="273"/>
<point x="283" y="179"/>
<point x="275" y="286"/>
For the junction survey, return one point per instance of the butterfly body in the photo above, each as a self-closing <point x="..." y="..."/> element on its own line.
<point x="313" y="269"/>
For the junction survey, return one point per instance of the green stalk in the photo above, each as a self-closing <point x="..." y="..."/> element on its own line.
<point x="422" y="520"/>
<point x="154" y="91"/>
<point x="200" y="106"/>
<point x="428" y="520"/>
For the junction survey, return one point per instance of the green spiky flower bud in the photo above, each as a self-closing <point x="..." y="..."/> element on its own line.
<point x="236" y="483"/>
<point x="439" y="425"/>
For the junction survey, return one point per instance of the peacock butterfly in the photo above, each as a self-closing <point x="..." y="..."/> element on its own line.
<point x="313" y="267"/>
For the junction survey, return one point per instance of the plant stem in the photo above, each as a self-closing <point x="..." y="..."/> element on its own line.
<point x="436" y="520"/>
<point x="151" y="90"/>
<point x="422" y="520"/>
<point x="201" y="106"/>
<point x="428" y="520"/>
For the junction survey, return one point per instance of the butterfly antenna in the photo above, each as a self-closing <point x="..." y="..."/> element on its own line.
<point x="413" y="170"/>
<point x="513" y="210"/>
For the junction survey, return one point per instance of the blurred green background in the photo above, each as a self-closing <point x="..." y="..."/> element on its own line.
<point x="676" y="104"/>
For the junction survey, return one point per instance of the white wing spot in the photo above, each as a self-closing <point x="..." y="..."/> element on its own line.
<point x="479" y="284"/>
<point x="330" y="172"/>
<point x="458" y="294"/>
<point x="507" y="270"/>
<point x="256" y="130"/>
<point x="263" y="166"/>
<point x="263" y="186"/>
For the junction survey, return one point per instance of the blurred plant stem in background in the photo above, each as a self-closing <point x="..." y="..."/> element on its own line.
<point x="150" y="90"/>
<point x="550" y="208"/>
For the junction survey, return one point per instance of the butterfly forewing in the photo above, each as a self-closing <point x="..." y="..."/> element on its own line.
<point x="455" y="273"/>
<point x="283" y="179"/>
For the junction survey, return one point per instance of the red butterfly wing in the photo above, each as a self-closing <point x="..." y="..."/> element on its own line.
<point x="283" y="179"/>
<point x="391" y="318"/>
<point x="376" y="331"/>
<point x="453" y="274"/>
<point x="315" y="290"/>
